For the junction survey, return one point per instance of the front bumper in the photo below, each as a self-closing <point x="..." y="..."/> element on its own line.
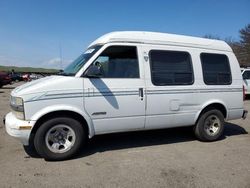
<point x="14" y="128"/>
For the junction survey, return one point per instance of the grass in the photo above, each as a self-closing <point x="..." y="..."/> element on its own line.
<point x="27" y="69"/>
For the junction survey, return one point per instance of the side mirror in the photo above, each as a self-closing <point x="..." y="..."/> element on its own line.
<point x="93" y="72"/>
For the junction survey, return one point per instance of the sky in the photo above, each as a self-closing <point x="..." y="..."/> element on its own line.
<point x="35" y="33"/>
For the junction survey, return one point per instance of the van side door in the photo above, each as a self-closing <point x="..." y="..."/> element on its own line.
<point x="171" y="100"/>
<point x="114" y="99"/>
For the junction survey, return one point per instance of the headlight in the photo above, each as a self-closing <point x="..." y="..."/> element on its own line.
<point x="16" y="104"/>
<point x="16" y="101"/>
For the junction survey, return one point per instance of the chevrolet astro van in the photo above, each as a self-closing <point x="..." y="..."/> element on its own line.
<point x="130" y="81"/>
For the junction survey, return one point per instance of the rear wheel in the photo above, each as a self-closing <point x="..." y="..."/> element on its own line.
<point x="59" y="138"/>
<point x="210" y="125"/>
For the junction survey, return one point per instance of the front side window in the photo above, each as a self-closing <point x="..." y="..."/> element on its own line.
<point x="216" y="69"/>
<point x="118" y="62"/>
<point x="170" y="68"/>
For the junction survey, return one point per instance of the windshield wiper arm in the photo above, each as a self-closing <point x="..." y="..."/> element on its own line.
<point x="65" y="74"/>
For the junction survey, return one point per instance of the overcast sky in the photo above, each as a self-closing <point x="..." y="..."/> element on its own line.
<point x="32" y="31"/>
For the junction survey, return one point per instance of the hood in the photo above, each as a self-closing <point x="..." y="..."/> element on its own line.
<point x="47" y="84"/>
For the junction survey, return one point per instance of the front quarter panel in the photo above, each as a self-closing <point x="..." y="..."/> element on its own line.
<point x="73" y="105"/>
<point x="62" y="94"/>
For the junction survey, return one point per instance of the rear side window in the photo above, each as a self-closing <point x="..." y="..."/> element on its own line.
<point x="170" y="68"/>
<point x="216" y="69"/>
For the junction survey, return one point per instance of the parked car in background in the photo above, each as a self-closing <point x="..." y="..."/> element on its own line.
<point x="246" y="78"/>
<point x="33" y="77"/>
<point x="36" y="76"/>
<point x="16" y="77"/>
<point x="26" y="77"/>
<point x="4" y="79"/>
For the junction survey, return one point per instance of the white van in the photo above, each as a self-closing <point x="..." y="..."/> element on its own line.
<point x="246" y="77"/>
<point x="130" y="81"/>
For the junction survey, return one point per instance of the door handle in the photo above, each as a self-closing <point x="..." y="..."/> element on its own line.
<point x="141" y="93"/>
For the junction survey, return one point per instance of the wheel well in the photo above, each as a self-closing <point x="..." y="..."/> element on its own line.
<point x="51" y="115"/>
<point x="217" y="106"/>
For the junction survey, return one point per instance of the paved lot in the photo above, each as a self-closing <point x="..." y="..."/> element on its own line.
<point x="163" y="158"/>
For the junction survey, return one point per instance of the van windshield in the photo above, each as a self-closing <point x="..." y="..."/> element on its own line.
<point x="77" y="64"/>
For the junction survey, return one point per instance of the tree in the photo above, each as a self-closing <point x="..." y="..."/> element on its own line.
<point x="209" y="36"/>
<point x="245" y="44"/>
<point x="237" y="49"/>
<point x="241" y="48"/>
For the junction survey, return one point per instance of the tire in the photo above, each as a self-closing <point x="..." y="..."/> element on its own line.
<point x="210" y="125"/>
<point x="31" y="151"/>
<point x="59" y="138"/>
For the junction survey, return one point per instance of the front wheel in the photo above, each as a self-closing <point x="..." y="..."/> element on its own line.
<point x="59" y="138"/>
<point x="210" y="125"/>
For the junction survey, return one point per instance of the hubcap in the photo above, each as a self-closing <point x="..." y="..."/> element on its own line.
<point x="212" y="125"/>
<point x="60" y="138"/>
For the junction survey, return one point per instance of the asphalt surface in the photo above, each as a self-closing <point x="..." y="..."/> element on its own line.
<point x="162" y="158"/>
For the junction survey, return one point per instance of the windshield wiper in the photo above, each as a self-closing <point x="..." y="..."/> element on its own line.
<point x="65" y="74"/>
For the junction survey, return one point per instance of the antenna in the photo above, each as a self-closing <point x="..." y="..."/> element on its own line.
<point x="60" y="53"/>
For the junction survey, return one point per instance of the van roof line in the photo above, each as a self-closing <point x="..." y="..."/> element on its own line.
<point x="156" y="38"/>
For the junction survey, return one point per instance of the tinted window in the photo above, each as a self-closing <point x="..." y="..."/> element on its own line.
<point x="216" y="69"/>
<point x="118" y="62"/>
<point x="246" y="75"/>
<point x="170" y="68"/>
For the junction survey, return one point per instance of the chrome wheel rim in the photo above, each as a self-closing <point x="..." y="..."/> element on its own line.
<point x="60" y="138"/>
<point x="212" y="125"/>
